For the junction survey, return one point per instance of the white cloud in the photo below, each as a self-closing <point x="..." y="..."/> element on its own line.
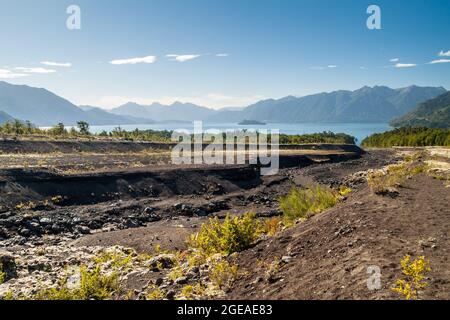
<point x="394" y="60"/>
<point x="211" y="100"/>
<point x="405" y="65"/>
<point x="330" y="66"/>
<point x="35" y="70"/>
<point x="183" y="58"/>
<point x="444" y="54"/>
<point x="147" y="59"/>
<point x="439" y="61"/>
<point x="222" y="55"/>
<point x="56" y="64"/>
<point x="7" y="74"/>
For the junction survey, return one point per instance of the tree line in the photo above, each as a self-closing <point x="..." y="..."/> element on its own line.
<point x="409" y="137"/>
<point x="82" y="130"/>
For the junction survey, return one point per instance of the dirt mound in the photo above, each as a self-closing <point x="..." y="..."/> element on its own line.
<point x="78" y="145"/>
<point x="327" y="257"/>
<point x="19" y="185"/>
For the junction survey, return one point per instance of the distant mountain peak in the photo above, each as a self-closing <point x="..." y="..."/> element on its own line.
<point x="44" y="108"/>
<point x="160" y="112"/>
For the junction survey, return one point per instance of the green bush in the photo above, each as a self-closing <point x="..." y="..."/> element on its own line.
<point x="222" y="274"/>
<point x="93" y="286"/>
<point x="2" y="274"/>
<point x="234" y="234"/>
<point x="382" y="181"/>
<point x="303" y="203"/>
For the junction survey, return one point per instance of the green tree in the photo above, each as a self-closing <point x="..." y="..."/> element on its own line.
<point x="59" y="129"/>
<point x="83" y="127"/>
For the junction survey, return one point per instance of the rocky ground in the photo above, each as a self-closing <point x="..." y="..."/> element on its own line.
<point x="139" y="217"/>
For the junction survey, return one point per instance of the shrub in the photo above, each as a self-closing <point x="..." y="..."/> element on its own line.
<point x="30" y="205"/>
<point x="343" y="191"/>
<point x="57" y="199"/>
<point x="303" y="203"/>
<point x="222" y="274"/>
<point x="272" y="225"/>
<point x="8" y="296"/>
<point x="156" y="294"/>
<point x="382" y="181"/>
<point x="190" y="292"/>
<point x="418" y="169"/>
<point x="93" y="286"/>
<point x="117" y="260"/>
<point x="272" y="269"/>
<point x="2" y="274"/>
<point x="414" y="273"/>
<point x="234" y="234"/>
<point x="176" y="273"/>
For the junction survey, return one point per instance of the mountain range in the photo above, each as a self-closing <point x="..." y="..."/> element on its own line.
<point x="368" y="104"/>
<point x="158" y="112"/>
<point x="434" y="113"/>
<point x="44" y="108"/>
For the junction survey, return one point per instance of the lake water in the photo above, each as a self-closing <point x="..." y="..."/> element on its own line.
<point x="358" y="130"/>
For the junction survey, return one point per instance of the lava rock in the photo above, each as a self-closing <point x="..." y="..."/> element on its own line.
<point x="83" y="229"/>
<point x="181" y="280"/>
<point x="25" y="232"/>
<point x="45" y="221"/>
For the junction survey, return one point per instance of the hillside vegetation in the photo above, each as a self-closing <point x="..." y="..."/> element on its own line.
<point x="434" y="113"/>
<point x="409" y="137"/>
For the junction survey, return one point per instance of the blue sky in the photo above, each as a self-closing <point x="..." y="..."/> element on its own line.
<point x="223" y="52"/>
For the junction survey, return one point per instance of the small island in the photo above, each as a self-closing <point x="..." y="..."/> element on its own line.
<point x="251" y="122"/>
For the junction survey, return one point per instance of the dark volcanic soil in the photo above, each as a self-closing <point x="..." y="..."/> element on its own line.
<point x="328" y="255"/>
<point x="37" y="200"/>
<point x="261" y="199"/>
<point x="325" y="257"/>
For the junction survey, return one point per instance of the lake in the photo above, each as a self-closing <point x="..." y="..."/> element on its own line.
<point x="358" y="130"/>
